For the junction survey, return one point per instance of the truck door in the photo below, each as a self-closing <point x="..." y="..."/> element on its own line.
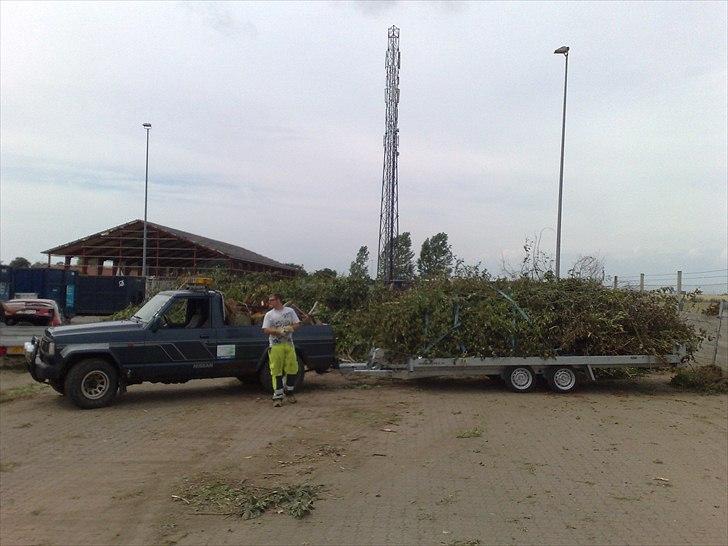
<point x="182" y="342"/>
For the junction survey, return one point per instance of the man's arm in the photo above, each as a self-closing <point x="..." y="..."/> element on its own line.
<point x="296" y="324"/>
<point x="268" y="329"/>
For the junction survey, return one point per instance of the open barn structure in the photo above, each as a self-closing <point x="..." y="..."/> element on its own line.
<point x="170" y="252"/>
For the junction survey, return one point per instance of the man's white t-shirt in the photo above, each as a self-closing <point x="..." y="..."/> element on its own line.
<point x="279" y="319"/>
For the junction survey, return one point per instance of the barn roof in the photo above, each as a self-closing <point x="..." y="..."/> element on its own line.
<point x="235" y="252"/>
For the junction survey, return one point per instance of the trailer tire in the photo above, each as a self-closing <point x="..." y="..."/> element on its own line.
<point x="520" y="379"/>
<point x="92" y="383"/>
<point x="562" y="379"/>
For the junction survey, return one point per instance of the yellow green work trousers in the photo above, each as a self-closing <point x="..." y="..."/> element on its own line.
<point x="283" y="362"/>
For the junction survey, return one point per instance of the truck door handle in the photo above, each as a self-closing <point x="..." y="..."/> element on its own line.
<point x="204" y="336"/>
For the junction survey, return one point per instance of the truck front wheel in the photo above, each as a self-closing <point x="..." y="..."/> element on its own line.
<point x="92" y="383"/>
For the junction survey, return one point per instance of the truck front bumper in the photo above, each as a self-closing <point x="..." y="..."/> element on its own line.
<point x="39" y="370"/>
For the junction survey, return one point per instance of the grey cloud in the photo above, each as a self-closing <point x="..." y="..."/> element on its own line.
<point x="220" y="17"/>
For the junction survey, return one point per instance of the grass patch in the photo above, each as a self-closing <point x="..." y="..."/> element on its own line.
<point x="7" y="467"/>
<point x="706" y="379"/>
<point x="248" y="502"/>
<point x="25" y="391"/>
<point x="470" y="433"/>
<point x="13" y="363"/>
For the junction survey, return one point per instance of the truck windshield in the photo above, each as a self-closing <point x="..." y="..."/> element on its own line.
<point x="147" y="312"/>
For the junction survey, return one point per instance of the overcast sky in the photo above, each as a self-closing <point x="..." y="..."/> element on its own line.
<point x="268" y="121"/>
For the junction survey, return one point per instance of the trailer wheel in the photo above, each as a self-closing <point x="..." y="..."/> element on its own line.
<point x="520" y="379"/>
<point x="561" y="379"/>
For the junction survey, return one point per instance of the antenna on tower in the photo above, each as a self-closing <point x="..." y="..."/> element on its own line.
<point x="389" y="212"/>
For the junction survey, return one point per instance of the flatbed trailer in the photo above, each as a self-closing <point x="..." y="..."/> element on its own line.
<point x="562" y="373"/>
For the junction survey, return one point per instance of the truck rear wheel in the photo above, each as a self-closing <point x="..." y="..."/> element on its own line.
<point x="561" y="379"/>
<point x="92" y="383"/>
<point x="520" y="379"/>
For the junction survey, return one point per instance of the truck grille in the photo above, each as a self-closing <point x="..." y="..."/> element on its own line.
<point x="44" y="345"/>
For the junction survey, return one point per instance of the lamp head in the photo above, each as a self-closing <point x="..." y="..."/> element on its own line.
<point x="147" y="125"/>
<point x="562" y="50"/>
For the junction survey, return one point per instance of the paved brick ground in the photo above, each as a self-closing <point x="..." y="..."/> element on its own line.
<point x="615" y="463"/>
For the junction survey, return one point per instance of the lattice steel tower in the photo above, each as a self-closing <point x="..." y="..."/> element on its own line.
<point x="389" y="212"/>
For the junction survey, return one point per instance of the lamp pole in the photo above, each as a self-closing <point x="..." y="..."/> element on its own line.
<point x="563" y="50"/>
<point x="146" y="126"/>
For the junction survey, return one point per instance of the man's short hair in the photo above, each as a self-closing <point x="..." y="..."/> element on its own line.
<point x="276" y="296"/>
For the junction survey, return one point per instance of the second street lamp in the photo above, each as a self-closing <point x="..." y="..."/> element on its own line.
<point x="563" y="50"/>
<point x="146" y="126"/>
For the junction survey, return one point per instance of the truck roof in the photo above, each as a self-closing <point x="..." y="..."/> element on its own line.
<point x="188" y="292"/>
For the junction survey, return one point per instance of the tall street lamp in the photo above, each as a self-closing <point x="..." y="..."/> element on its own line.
<point x="563" y="50"/>
<point x="146" y="126"/>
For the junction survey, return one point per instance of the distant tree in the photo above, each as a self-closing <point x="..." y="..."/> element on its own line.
<point x="404" y="268"/>
<point x="39" y="264"/>
<point x="588" y="267"/>
<point x="359" y="268"/>
<point x="300" y="268"/>
<point x="435" y="257"/>
<point x="20" y="262"/>
<point x="326" y="273"/>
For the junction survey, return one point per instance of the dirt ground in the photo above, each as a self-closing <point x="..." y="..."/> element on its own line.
<point x="617" y="462"/>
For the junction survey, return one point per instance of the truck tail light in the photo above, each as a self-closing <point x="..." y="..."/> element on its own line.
<point x="3" y="350"/>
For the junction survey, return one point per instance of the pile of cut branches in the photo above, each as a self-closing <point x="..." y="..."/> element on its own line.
<point x="479" y="317"/>
<point x="473" y="316"/>
<point x="248" y="501"/>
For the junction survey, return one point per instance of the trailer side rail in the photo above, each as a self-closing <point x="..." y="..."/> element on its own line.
<point x="559" y="371"/>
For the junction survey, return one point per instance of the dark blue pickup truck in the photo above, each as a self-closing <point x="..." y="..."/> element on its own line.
<point x="176" y="336"/>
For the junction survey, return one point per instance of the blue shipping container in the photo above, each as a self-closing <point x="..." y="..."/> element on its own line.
<point x="48" y="283"/>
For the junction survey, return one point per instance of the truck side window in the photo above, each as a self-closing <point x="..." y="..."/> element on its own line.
<point x="187" y="313"/>
<point x="198" y="313"/>
<point x="176" y="315"/>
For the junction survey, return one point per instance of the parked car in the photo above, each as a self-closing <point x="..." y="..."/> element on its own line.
<point x="176" y="336"/>
<point x="30" y="312"/>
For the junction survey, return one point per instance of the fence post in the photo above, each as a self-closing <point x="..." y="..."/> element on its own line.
<point x="679" y="282"/>
<point x="615" y="282"/>
<point x="721" y="309"/>
<point x="642" y="282"/>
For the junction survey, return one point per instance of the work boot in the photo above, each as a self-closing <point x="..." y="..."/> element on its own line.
<point x="290" y="398"/>
<point x="277" y="403"/>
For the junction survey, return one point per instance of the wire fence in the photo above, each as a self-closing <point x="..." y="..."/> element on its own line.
<point x="714" y="281"/>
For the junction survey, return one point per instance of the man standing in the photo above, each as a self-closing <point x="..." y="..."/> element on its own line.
<point x="279" y="323"/>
